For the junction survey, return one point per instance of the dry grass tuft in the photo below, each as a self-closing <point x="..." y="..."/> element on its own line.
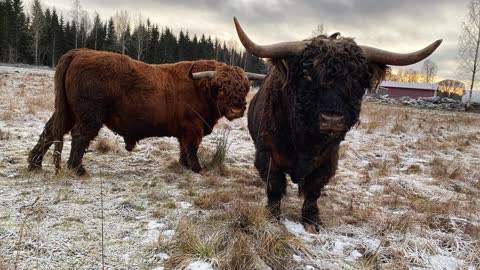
<point x="439" y="168"/>
<point x="382" y="166"/>
<point x="4" y="135"/>
<point x="9" y="113"/>
<point x="216" y="160"/>
<point x="398" y="128"/>
<point x="414" y="169"/>
<point x="192" y="243"/>
<point x="104" y="145"/>
<point x="214" y="199"/>
<point x="241" y="238"/>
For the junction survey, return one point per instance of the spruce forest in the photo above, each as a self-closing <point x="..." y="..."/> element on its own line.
<point x="39" y="35"/>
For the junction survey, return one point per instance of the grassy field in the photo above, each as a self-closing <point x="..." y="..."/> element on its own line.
<point x="406" y="196"/>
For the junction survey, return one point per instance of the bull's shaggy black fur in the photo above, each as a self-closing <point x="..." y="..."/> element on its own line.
<point x="330" y="76"/>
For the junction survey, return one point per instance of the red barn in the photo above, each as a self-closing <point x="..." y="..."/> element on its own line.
<point x="406" y="89"/>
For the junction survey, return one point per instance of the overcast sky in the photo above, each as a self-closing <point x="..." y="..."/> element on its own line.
<point x="400" y="25"/>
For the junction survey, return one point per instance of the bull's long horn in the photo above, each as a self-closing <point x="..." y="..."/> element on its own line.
<point x="399" y="59"/>
<point x="277" y="50"/>
<point x="255" y="76"/>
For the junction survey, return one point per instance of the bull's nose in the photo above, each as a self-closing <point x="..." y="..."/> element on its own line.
<point x="332" y="122"/>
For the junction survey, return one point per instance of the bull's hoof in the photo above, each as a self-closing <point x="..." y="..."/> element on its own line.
<point x="79" y="170"/>
<point x="273" y="210"/>
<point x="311" y="228"/>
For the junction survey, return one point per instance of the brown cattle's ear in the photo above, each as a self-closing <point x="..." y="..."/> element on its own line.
<point x="190" y="71"/>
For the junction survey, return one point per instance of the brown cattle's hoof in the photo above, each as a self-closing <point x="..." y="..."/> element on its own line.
<point x="183" y="162"/>
<point x="311" y="228"/>
<point x="34" y="168"/>
<point x="80" y="171"/>
<point x="129" y="144"/>
<point x="197" y="169"/>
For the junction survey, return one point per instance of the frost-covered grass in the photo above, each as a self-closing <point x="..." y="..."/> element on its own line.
<point x="406" y="195"/>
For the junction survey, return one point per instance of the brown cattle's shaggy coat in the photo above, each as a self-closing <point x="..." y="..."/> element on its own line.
<point x="137" y="100"/>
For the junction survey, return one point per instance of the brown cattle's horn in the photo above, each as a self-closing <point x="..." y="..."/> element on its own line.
<point x="255" y="76"/>
<point x="200" y="75"/>
<point x="399" y="59"/>
<point x="277" y="50"/>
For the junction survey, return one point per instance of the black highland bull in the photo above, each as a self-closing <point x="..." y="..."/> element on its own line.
<point x="309" y="100"/>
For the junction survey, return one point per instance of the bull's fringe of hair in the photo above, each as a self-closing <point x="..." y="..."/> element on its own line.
<point x="324" y="64"/>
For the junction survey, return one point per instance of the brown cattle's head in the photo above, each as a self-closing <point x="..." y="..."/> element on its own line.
<point x="231" y="85"/>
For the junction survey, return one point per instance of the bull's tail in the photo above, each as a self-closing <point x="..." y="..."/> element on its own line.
<point x="62" y="115"/>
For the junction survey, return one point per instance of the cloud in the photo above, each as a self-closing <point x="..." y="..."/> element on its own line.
<point x="400" y="26"/>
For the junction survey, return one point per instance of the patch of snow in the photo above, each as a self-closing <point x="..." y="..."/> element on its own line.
<point x="441" y="262"/>
<point x="184" y="205"/>
<point x="168" y="234"/>
<point x="376" y="188"/>
<point x="153" y="231"/>
<point x="199" y="265"/>
<point x="297" y="258"/>
<point x="339" y="246"/>
<point x="294" y="227"/>
<point x="163" y="256"/>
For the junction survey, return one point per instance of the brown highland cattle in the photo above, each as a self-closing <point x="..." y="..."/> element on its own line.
<point x="137" y="100"/>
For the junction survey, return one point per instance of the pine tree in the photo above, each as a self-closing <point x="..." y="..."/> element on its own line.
<point x="110" y="41"/>
<point x="16" y="32"/>
<point x="3" y="31"/>
<point x="154" y="45"/>
<point x="56" y="33"/>
<point x="96" y="38"/>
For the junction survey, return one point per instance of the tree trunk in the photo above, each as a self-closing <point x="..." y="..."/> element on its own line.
<point x="474" y="70"/>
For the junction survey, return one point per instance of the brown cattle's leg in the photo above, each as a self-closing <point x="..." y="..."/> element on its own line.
<point x="275" y="180"/>
<point x="129" y="143"/>
<point x="311" y="189"/>
<point x="188" y="153"/>
<point x="86" y="128"/>
<point x="36" y="155"/>
<point x="183" y="155"/>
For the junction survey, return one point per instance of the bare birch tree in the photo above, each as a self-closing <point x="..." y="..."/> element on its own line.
<point x="139" y="34"/>
<point x="121" y="22"/>
<point x="84" y="28"/>
<point x="76" y="14"/>
<point x="429" y="70"/>
<point x="469" y="47"/>
<point x="37" y="25"/>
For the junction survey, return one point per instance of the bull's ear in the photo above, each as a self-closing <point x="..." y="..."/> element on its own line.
<point x="377" y="74"/>
<point x="281" y="65"/>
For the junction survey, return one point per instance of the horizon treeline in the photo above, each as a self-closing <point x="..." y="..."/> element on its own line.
<point x="41" y="36"/>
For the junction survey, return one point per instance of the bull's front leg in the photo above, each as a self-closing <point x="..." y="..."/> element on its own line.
<point x="311" y="189"/>
<point x="275" y="180"/>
